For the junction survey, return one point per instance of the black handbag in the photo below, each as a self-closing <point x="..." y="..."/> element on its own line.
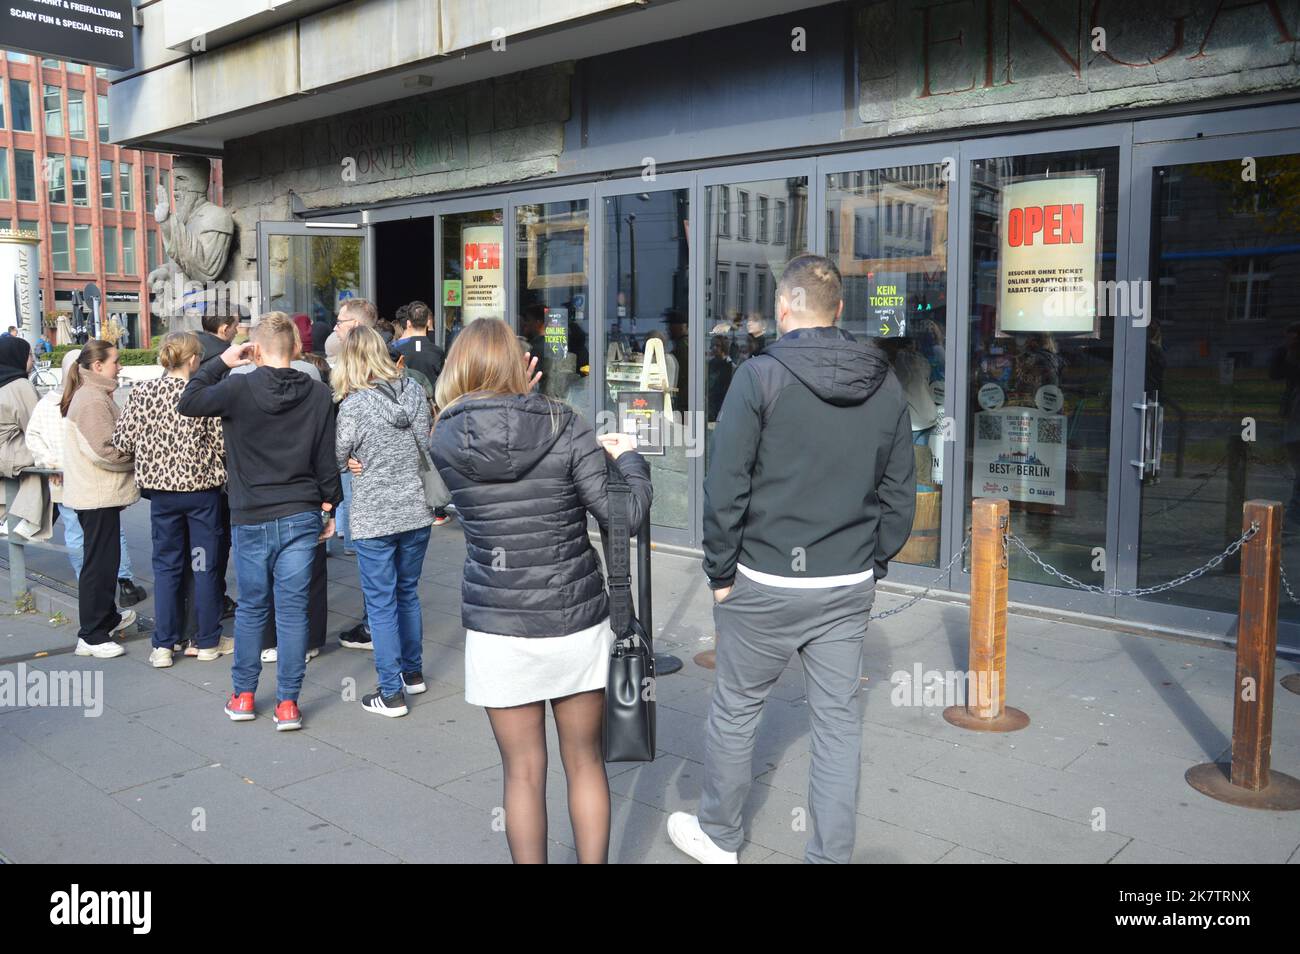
<point x="628" y="733"/>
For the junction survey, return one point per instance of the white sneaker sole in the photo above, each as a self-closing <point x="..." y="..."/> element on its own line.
<point x="162" y="663"/>
<point x="414" y="690"/>
<point x="100" y="655"/>
<point x="241" y="716"/>
<point x="391" y="713"/>
<point x="128" y="619"/>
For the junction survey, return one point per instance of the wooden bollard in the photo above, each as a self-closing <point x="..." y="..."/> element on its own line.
<point x="988" y="712"/>
<point x="1247" y="780"/>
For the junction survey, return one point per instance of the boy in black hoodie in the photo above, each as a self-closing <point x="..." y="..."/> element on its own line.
<point x="284" y="484"/>
<point x="809" y="494"/>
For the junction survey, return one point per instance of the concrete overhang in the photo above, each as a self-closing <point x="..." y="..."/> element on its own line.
<point x="365" y="53"/>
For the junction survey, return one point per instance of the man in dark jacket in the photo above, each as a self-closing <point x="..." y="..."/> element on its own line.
<point x="809" y="494"/>
<point x="218" y="331"/>
<point x="279" y="433"/>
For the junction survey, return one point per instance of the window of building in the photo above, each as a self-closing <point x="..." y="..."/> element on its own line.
<point x="742" y="292"/>
<point x="80" y="181"/>
<point x="53" y="110"/>
<point x="165" y="186"/>
<point x="148" y="189"/>
<point x="128" y="251"/>
<point x="742" y="215"/>
<point x="110" y="249"/>
<point x="2" y="106"/>
<point x="101" y="72"/>
<point x="124" y="186"/>
<point x="763" y="204"/>
<point x="76" y="68"/>
<point x="59" y="245"/>
<point x="5" y="224"/>
<point x="77" y="113"/>
<point x="1248" y="289"/>
<point x="58" y="187"/>
<point x="50" y="63"/>
<point x="85" y="255"/>
<point x="778" y="236"/>
<point x="106" y="183"/>
<point x="724" y="210"/>
<point x="24" y="175"/>
<point x="151" y="249"/>
<point x="760" y="292"/>
<point x="29" y="225"/>
<point x="720" y="292"/>
<point x="18" y="57"/>
<point x="4" y="173"/>
<point x="101" y="115"/>
<point x="20" y="105"/>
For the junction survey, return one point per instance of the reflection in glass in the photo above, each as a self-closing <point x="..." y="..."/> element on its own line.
<point x="1040" y="400"/>
<point x="1223" y="352"/>
<point x="887" y="231"/>
<point x="552" y="252"/>
<point x="740" y="278"/>
<point x="647" y="289"/>
<point x="313" y="274"/>
<point x="473" y="282"/>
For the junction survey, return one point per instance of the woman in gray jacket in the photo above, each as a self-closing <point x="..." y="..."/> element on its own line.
<point x="384" y="425"/>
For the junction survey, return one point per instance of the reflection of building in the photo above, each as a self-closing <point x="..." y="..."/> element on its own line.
<point x="752" y="229"/>
<point x="90" y="201"/>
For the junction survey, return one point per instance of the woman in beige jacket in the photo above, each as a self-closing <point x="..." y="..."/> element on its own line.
<point x="98" y="481"/>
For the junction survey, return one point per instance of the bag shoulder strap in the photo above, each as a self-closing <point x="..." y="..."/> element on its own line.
<point x="618" y="547"/>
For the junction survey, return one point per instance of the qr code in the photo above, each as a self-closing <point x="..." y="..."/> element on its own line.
<point x="1049" y="430"/>
<point x="990" y="427"/>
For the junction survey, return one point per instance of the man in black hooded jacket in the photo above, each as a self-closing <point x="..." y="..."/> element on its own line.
<point x="809" y="494"/>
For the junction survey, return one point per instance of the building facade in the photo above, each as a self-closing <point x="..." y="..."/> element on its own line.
<point x="616" y="173"/>
<point x="90" y="201"/>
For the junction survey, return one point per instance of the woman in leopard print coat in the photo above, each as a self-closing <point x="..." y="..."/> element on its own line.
<point x="180" y="467"/>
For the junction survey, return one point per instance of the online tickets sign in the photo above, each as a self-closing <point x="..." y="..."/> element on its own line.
<point x="1047" y="255"/>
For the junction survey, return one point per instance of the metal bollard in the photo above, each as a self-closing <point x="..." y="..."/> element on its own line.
<point x="1247" y="779"/>
<point x="990" y="520"/>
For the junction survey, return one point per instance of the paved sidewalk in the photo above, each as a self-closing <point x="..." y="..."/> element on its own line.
<point x="163" y="776"/>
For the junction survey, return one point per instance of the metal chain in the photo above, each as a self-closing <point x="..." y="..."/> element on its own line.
<point x="931" y="585"/>
<point x="1187" y="577"/>
<point x="1286" y="584"/>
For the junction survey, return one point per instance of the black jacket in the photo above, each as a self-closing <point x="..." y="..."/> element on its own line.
<point x="524" y="471"/>
<point x="212" y="345"/>
<point x="421" y="355"/>
<point x="811" y="471"/>
<point x="279" y="430"/>
<point x="320" y="330"/>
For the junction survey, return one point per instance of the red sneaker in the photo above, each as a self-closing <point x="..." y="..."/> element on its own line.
<point x="240" y="707"/>
<point x="287" y="716"/>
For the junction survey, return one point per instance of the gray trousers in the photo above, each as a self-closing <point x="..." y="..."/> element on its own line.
<point x="759" y="628"/>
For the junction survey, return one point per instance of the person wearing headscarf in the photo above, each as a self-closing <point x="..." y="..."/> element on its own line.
<point x="18" y="399"/>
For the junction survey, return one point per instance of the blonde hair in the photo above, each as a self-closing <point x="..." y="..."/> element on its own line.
<point x="177" y="348"/>
<point x="277" y="334"/>
<point x="485" y="359"/>
<point x="362" y="361"/>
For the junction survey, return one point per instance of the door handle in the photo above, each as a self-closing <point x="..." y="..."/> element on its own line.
<point x="1150" y="436"/>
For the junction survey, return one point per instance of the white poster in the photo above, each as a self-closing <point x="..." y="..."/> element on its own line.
<point x="1047" y="255"/>
<point x="483" y="289"/>
<point x="1020" y="455"/>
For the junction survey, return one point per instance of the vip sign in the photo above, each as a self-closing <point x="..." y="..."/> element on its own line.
<point x="482" y="290"/>
<point x="1047" y="255"/>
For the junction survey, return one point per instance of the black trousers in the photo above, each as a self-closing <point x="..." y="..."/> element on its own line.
<point x="97" y="584"/>
<point x="317" y="606"/>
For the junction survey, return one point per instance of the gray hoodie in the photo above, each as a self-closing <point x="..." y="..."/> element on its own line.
<point x="384" y="427"/>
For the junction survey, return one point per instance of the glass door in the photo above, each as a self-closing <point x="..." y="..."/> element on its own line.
<point x="471" y="258"/>
<point x="1219" y="385"/>
<point x="310" y="268"/>
<point x="887" y="219"/>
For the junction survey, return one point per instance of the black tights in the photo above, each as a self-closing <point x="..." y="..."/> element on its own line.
<point x="521" y="736"/>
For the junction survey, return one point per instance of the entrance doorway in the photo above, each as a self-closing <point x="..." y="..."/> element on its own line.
<point x="405" y="259"/>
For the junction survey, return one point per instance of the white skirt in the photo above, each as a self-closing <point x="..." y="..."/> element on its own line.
<point x="504" y="671"/>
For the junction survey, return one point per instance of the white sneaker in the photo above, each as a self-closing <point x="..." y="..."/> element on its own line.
<point x="161" y="658"/>
<point x="687" y="835"/>
<point x="225" y="646"/>
<point x="128" y="619"/>
<point x="99" y="650"/>
<point x="270" y="655"/>
<point x="312" y="654"/>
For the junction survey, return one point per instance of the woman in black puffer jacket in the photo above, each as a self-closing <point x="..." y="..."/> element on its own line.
<point x="524" y="471"/>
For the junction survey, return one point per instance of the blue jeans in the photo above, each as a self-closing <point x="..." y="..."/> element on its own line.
<point x="274" y="557"/>
<point x="186" y="532"/>
<point x="341" y="518"/>
<point x="390" y="567"/>
<point x="74" y="541"/>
